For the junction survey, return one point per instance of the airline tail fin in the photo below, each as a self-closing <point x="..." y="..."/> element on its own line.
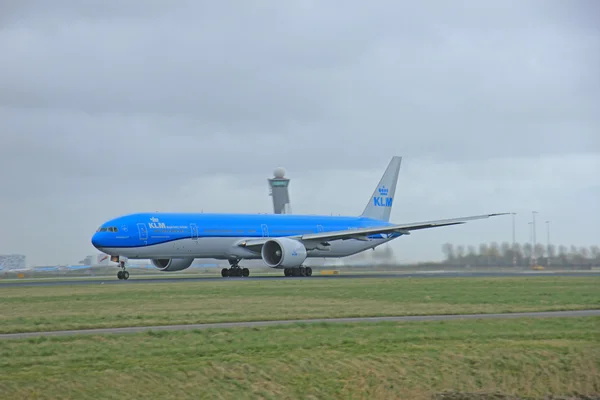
<point x="380" y="204"/>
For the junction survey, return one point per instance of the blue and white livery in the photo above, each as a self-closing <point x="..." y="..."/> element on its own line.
<point x="173" y="240"/>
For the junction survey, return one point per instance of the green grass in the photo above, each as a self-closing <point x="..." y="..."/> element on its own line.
<point x="527" y="357"/>
<point x="26" y="309"/>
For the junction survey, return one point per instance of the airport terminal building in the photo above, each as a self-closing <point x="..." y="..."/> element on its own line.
<point x="12" y="261"/>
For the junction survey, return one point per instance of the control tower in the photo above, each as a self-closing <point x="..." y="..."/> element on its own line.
<point x="279" y="191"/>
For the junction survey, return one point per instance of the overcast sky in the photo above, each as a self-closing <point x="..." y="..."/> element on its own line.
<point x="112" y="107"/>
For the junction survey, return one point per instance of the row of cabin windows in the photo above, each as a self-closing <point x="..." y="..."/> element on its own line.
<point x="283" y="231"/>
<point x="174" y="230"/>
<point x="108" y="229"/>
<point x="115" y="229"/>
<point x="292" y="231"/>
<point x="228" y="230"/>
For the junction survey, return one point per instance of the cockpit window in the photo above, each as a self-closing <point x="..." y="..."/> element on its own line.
<point x="108" y="229"/>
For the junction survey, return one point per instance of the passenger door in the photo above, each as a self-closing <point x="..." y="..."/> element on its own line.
<point x="194" y="229"/>
<point x="143" y="231"/>
<point x="265" y="230"/>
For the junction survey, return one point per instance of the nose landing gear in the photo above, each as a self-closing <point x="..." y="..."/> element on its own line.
<point x="123" y="274"/>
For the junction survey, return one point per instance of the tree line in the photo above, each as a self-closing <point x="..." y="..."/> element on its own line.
<point x="522" y="254"/>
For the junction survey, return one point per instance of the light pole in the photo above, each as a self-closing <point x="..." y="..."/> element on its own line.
<point x="548" y="242"/>
<point x="531" y="242"/>
<point x="534" y="260"/>
<point x="514" y="246"/>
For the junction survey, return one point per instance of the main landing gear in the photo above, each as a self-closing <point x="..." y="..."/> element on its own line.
<point x="299" y="271"/>
<point x="235" y="270"/>
<point x="123" y="274"/>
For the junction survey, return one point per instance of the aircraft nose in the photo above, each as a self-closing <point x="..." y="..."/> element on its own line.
<point x="96" y="241"/>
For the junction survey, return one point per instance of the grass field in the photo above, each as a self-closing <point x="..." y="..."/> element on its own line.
<point x="26" y="309"/>
<point x="528" y="357"/>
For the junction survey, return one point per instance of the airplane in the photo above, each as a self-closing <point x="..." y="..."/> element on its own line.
<point x="171" y="241"/>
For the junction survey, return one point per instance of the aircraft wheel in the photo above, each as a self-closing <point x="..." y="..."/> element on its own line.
<point x="120" y="275"/>
<point x="302" y="271"/>
<point x="125" y="275"/>
<point x="308" y="271"/>
<point x="224" y="272"/>
<point x="245" y="272"/>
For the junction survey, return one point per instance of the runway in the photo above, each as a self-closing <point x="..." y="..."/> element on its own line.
<point x="412" y="318"/>
<point x="423" y="274"/>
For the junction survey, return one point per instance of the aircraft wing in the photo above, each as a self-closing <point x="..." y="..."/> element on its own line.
<point x="363" y="233"/>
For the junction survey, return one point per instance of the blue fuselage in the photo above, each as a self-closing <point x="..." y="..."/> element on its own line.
<point x="153" y="235"/>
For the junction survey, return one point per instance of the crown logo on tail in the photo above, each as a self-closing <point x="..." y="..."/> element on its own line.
<point x="383" y="191"/>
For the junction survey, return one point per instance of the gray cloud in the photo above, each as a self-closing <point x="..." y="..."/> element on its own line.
<point x="113" y="107"/>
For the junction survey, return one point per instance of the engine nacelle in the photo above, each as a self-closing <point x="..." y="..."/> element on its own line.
<point x="172" y="264"/>
<point x="283" y="253"/>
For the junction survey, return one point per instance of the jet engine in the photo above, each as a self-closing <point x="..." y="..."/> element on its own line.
<point x="283" y="253"/>
<point x="172" y="264"/>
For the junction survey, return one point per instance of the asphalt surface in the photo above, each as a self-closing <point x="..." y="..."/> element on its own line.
<point x="435" y="274"/>
<point x="548" y="314"/>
